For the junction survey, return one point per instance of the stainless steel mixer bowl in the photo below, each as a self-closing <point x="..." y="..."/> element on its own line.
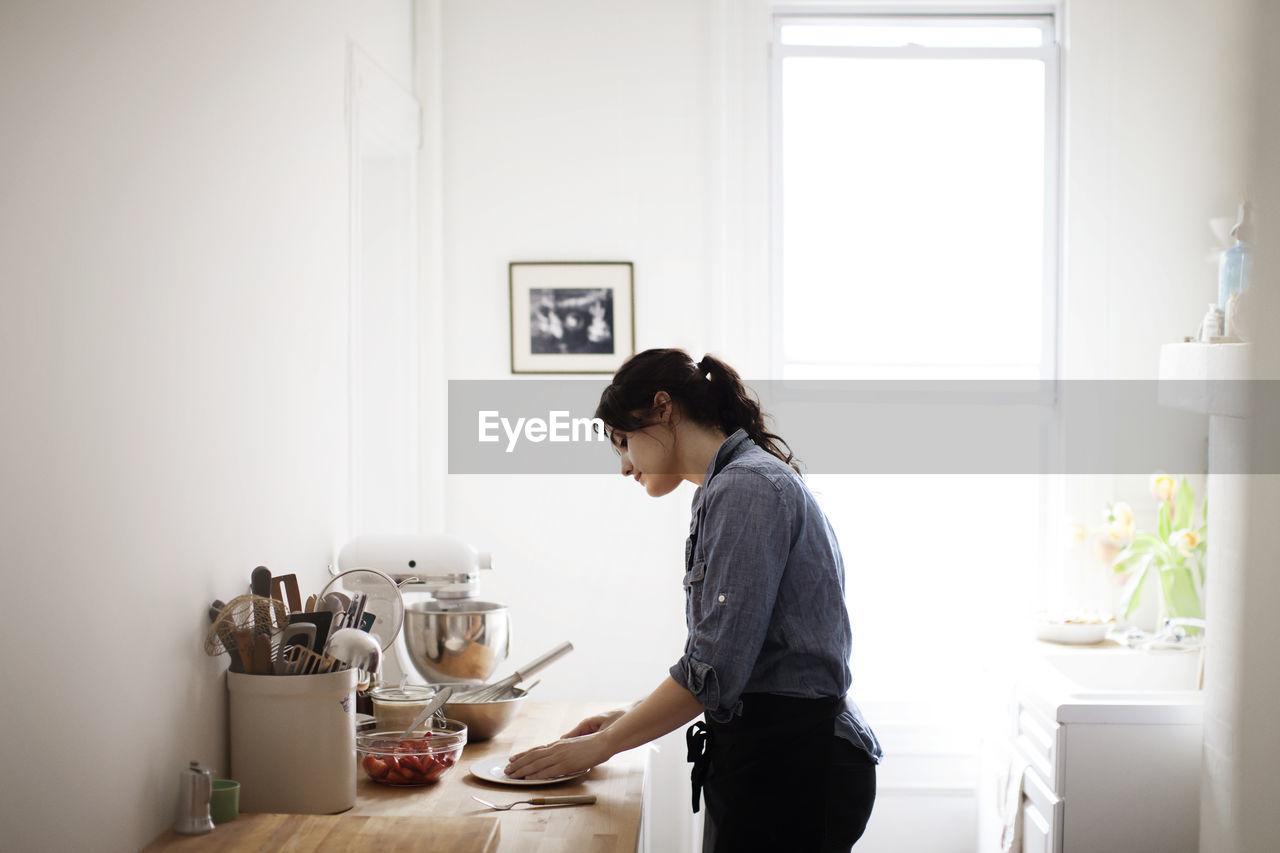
<point x="456" y="641"/>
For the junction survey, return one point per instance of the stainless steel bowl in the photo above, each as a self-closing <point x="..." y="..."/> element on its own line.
<point x="453" y="641"/>
<point x="485" y="719"/>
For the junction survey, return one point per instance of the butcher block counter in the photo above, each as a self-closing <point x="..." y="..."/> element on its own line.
<point x="444" y="817"/>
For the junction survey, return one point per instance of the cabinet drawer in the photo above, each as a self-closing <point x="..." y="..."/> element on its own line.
<point x="1041" y="815"/>
<point x="1040" y="740"/>
<point x="1037" y="831"/>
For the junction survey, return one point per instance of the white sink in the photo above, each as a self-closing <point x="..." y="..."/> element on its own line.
<point x="1126" y="671"/>
<point x="1115" y="685"/>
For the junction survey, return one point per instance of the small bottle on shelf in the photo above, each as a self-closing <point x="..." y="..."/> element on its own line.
<point x="1211" y="325"/>
<point x="1236" y="264"/>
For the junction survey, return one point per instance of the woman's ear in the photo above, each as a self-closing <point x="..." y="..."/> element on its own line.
<point x="662" y="406"/>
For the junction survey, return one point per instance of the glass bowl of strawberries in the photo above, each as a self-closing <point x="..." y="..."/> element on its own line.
<point x="421" y="757"/>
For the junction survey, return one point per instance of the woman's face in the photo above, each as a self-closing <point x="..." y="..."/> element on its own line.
<point x="648" y="458"/>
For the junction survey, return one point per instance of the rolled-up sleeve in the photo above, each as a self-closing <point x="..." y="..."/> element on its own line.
<point x="743" y="545"/>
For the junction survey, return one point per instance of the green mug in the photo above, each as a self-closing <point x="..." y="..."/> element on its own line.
<point x="224" y="802"/>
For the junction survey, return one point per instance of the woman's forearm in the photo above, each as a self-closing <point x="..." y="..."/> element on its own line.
<point x="665" y="709"/>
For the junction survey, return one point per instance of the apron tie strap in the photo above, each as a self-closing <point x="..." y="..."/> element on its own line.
<point x="697" y="738"/>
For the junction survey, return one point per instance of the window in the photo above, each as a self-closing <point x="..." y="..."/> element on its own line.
<point x="915" y="236"/>
<point x="915" y="184"/>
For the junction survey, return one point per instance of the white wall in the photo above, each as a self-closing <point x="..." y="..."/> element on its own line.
<point x="1240" y="787"/>
<point x="1155" y="147"/>
<point x="173" y="252"/>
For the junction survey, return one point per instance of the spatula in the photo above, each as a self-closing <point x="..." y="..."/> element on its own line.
<point x="436" y="703"/>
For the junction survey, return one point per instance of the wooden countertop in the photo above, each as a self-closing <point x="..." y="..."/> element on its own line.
<point x="444" y="817"/>
<point x="611" y="825"/>
<point x="342" y="833"/>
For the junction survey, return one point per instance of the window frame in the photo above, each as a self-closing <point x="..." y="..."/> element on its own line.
<point x="927" y="738"/>
<point x="1045" y="17"/>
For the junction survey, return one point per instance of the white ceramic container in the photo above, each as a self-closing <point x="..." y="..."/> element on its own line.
<point x="293" y="740"/>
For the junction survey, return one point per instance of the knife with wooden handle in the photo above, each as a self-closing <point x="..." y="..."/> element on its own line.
<point x="260" y="585"/>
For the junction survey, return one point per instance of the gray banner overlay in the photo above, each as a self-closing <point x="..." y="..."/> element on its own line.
<point x="1087" y="427"/>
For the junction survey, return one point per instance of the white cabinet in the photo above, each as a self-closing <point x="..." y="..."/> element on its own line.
<point x="1105" y="785"/>
<point x="1106" y="741"/>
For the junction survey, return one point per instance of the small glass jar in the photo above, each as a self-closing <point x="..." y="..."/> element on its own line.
<point x="395" y="707"/>
<point x="1210" y="327"/>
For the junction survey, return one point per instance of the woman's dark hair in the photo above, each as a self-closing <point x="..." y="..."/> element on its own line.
<point x="709" y="392"/>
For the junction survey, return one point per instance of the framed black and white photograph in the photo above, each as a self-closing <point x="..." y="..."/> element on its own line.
<point x="571" y="316"/>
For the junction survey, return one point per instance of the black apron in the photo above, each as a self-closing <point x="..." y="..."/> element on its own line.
<point x="778" y="778"/>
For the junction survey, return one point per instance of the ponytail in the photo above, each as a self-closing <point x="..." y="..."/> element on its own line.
<point x="709" y="392"/>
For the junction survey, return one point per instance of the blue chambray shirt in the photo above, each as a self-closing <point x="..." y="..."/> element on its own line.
<point x="764" y="592"/>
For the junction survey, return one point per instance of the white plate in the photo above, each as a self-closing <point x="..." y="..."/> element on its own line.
<point x="490" y="770"/>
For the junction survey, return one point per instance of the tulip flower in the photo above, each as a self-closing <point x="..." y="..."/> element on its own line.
<point x="1105" y="550"/>
<point x="1185" y="540"/>
<point x="1121" y="528"/>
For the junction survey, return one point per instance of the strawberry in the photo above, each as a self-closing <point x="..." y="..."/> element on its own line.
<point x="376" y="768"/>
<point x="414" y="764"/>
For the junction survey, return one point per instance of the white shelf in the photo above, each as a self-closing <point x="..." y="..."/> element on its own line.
<point x="1206" y="378"/>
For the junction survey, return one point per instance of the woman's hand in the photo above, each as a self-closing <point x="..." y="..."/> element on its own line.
<point x="533" y="763"/>
<point x="565" y="756"/>
<point x="667" y="707"/>
<point x="594" y="723"/>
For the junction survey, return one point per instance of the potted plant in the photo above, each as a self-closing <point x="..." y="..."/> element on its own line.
<point x="1174" y="553"/>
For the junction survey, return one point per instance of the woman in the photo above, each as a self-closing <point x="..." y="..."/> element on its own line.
<point x="784" y="760"/>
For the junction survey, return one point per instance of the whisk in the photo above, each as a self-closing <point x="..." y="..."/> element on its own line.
<point x="505" y="689"/>
<point x="244" y="629"/>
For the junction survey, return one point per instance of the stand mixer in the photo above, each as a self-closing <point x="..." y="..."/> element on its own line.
<point x="448" y="635"/>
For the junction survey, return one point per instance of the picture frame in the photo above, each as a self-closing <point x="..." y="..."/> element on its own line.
<point x="571" y="316"/>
